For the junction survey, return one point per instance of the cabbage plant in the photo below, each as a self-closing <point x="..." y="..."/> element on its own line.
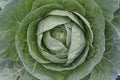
<point x="60" y="40"/>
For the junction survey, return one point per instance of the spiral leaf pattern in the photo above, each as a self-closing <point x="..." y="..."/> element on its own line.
<point x="61" y="39"/>
<point x="56" y="39"/>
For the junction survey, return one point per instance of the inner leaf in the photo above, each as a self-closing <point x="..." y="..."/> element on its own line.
<point x="54" y="45"/>
<point x="59" y="33"/>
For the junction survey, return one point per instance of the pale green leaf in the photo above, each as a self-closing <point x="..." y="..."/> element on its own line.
<point x="87" y="28"/>
<point x="53" y="45"/>
<point x="68" y="38"/>
<point x="32" y="43"/>
<point x="67" y="14"/>
<point x="77" y="62"/>
<point x="59" y="33"/>
<point x="51" y="22"/>
<point x="78" y="43"/>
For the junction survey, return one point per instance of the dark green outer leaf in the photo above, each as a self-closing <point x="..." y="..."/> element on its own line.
<point x="70" y="5"/>
<point x="11" y="70"/>
<point x="108" y="7"/>
<point x="10" y="20"/>
<point x="117" y="12"/>
<point x="116" y="22"/>
<point x="109" y="66"/>
<point x="0" y="8"/>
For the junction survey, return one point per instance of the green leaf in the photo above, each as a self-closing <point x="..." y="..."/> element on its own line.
<point x="19" y="31"/>
<point x="116" y="13"/>
<point x="67" y="14"/>
<point x="78" y="43"/>
<point x="11" y="70"/>
<point x="10" y="20"/>
<point x="3" y="3"/>
<point x="87" y="28"/>
<point x="116" y="22"/>
<point x="40" y="3"/>
<point x="76" y="51"/>
<point x="112" y="47"/>
<point x="59" y="33"/>
<point x="70" y="5"/>
<point x="109" y="67"/>
<point x="68" y="30"/>
<point x="77" y="62"/>
<point x="51" y="22"/>
<point x="86" y="78"/>
<point x="108" y="7"/>
<point x="32" y="43"/>
<point x="52" y="58"/>
<point x="53" y="45"/>
<point x="102" y="71"/>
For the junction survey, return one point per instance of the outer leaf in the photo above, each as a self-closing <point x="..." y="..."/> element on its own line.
<point x="3" y="3"/>
<point x="108" y="7"/>
<point x="86" y="78"/>
<point x="10" y="18"/>
<point x="109" y="67"/>
<point x="102" y="71"/>
<point x="70" y="5"/>
<point x="10" y="70"/>
<point x="116" y="22"/>
<point x="27" y="76"/>
<point x="32" y="43"/>
<point x="40" y="3"/>
<point x="117" y="12"/>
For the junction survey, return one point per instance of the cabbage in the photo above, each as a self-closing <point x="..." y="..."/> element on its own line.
<point x="60" y="40"/>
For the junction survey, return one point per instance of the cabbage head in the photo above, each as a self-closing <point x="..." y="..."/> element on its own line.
<point x="60" y="40"/>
